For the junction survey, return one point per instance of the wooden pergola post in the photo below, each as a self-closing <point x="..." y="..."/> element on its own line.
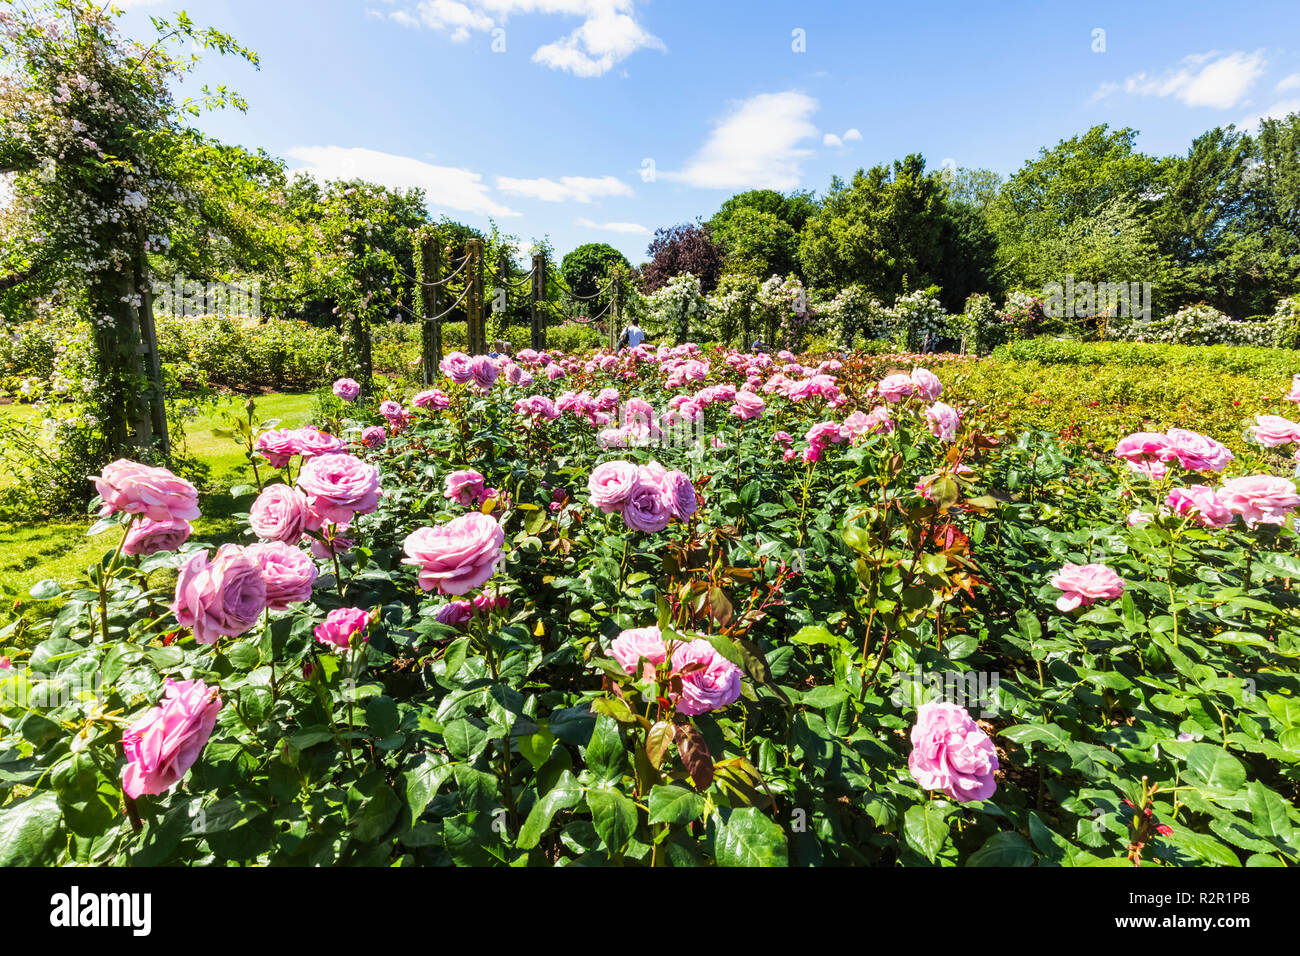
<point x="475" y="333"/>
<point x="538" y="337"/>
<point x="615" y="309"/>
<point x="152" y="427"/>
<point x="431" y="307"/>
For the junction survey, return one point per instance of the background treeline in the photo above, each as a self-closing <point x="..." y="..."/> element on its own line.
<point x="1219" y="224"/>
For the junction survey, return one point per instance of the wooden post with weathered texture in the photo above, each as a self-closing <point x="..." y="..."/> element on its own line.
<point x="538" y="337"/>
<point x="475" y="334"/>
<point x="615" y="309"/>
<point x="155" y="409"/>
<point x="431" y="307"/>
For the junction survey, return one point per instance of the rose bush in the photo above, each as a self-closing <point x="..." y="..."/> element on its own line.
<point x="719" y="609"/>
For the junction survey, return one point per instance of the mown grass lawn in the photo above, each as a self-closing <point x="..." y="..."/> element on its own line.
<point x="59" y="549"/>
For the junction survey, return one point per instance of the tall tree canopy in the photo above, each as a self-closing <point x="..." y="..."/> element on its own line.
<point x="885" y="229"/>
<point x="688" y="247"/>
<point x="586" y="268"/>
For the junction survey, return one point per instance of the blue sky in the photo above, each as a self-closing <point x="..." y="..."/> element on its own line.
<point x="600" y="120"/>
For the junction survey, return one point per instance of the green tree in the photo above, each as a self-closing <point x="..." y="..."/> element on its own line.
<point x="757" y="242"/>
<point x="885" y="230"/>
<point x="1069" y="182"/>
<point x="586" y="268"/>
<point x="103" y="160"/>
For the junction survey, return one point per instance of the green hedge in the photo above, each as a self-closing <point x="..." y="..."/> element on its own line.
<point x="1238" y="359"/>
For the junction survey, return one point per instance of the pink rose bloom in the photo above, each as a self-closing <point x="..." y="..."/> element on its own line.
<point x="135" y="489"/>
<point x="1085" y="583"/>
<point x="518" y="376"/>
<point x="610" y="485"/>
<point x="879" y="422"/>
<point x="951" y="754"/>
<point x="943" y="420"/>
<point x="927" y="384"/>
<point x="537" y="406"/>
<point x="855" y="424"/>
<point x="784" y="438"/>
<point x="487" y="603"/>
<point x="1138" y="517"/>
<point x="339" y="486"/>
<point x="311" y="441"/>
<point x="1259" y="499"/>
<point x="289" y="573"/>
<point x="1145" y="453"/>
<point x="1294" y="394"/>
<point x="681" y="493"/>
<point x="649" y="507"/>
<point x="554" y="371"/>
<point x="396" y="416"/>
<point x="458" y="367"/>
<point x="636" y="643"/>
<point x="223" y="595"/>
<point x="454" y="613"/>
<point x="467" y="488"/>
<point x="748" y="405"/>
<point x="277" y="446"/>
<point x="1197" y="452"/>
<point x="347" y="389"/>
<point x="1274" y="430"/>
<point x="280" y="513"/>
<point x="331" y="542"/>
<point x="163" y="743"/>
<point x="458" y="556"/>
<point x="433" y="398"/>
<point x="896" y="387"/>
<point x="712" y="688"/>
<point x="150" y="537"/>
<point x="1201" y="504"/>
<point x="374" y="436"/>
<point x="341" y="625"/>
<point x="484" y="372"/>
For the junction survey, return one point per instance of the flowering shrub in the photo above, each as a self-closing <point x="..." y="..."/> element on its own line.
<point x="854" y="314"/>
<point x="719" y="608"/>
<point x="980" y="326"/>
<point x="1286" y="323"/>
<point x="1023" y="315"/>
<point x="915" y="316"/>
<point x="677" y="309"/>
<point x="1196" y="325"/>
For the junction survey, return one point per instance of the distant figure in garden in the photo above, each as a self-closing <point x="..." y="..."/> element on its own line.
<point x="758" y="345"/>
<point x="632" y="336"/>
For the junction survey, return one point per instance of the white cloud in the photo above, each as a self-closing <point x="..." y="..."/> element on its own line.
<point x="453" y="17"/>
<point x="1291" y="82"/>
<point x="755" y="146"/>
<point x="1213" y="79"/>
<point x="1279" y="110"/>
<point x="603" y="40"/>
<point x="445" y="187"/>
<point x="848" y="136"/>
<point x="608" y="34"/>
<point x="630" y="228"/>
<point x="569" y="189"/>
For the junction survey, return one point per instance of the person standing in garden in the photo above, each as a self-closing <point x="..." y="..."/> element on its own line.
<point x="633" y="335"/>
